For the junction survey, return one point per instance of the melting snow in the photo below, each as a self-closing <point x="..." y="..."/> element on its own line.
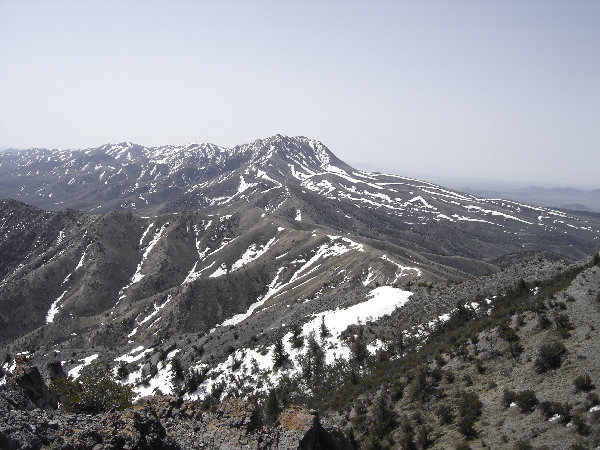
<point x="54" y="308"/>
<point x="380" y="302"/>
<point x="76" y="371"/>
<point x="252" y="253"/>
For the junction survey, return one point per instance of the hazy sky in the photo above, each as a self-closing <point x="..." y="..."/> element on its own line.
<point x="502" y="90"/>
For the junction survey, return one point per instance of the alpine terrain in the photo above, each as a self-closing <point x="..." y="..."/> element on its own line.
<point x="275" y="294"/>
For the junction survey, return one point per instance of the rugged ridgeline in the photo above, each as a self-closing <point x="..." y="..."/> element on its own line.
<point x="247" y="271"/>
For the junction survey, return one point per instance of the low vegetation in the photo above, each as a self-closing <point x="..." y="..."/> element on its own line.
<point x="94" y="392"/>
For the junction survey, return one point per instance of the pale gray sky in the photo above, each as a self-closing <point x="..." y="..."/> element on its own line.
<point x="496" y="89"/>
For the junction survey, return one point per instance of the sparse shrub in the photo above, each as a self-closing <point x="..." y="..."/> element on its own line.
<point x="549" y="356"/>
<point x="297" y="340"/>
<point x="313" y="362"/>
<point x="523" y="444"/>
<point x="439" y="360"/>
<point x="466" y="426"/>
<point x="543" y="321"/>
<point x="581" y="424"/>
<point x="592" y="400"/>
<point x="424" y="437"/>
<point x="272" y="407"/>
<point x="280" y="357"/>
<point x="384" y="417"/>
<point x="405" y="424"/>
<point x="468" y="379"/>
<point x="515" y="349"/>
<point x="358" y="348"/>
<point x="565" y="412"/>
<point x="583" y="383"/>
<point x="407" y="441"/>
<point x="508" y="397"/>
<point x="479" y="365"/>
<point x="323" y="330"/>
<point x="563" y="325"/>
<point x="177" y="372"/>
<point x="421" y="390"/>
<point x="93" y="393"/>
<point x="508" y="333"/>
<point x="549" y="408"/>
<point x="527" y="401"/>
<point x="470" y="408"/>
<point x="437" y="374"/>
<point x="122" y="371"/>
<point x="162" y="354"/>
<point x="193" y="380"/>
<point x="445" y="414"/>
<point x="470" y="404"/>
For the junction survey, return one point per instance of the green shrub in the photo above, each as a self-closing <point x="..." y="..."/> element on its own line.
<point x="407" y="441"/>
<point x="527" y="401"/>
<point x="550" y="409"/>
<point x="122" y="371"/>
<point x="563" y="325"/>
<point x="462" y="446"/>
<point x="581" y="424"/>
<point x="592" y="399"/>
<point x="523" y="444"/>
<point x="507" y="333"/>
<point x="466" y="426"/>
<point x="549" y="356"/>
<point x="470" y="404"/>
<point x="384" y="417"/>
<point x="424" y="436"/>
<point x="583" y="383"/>
<point x="271" y="407"/>
<point x="543" y="321"/>
<point x="470" y="408"/>
<point x="93" y="393"/>
<point x="445" y="414"/>
<point x="280" y="357"/>
<point x="296" y="339"/>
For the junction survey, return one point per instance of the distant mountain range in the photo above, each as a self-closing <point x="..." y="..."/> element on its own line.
<point x="562" y="198"/>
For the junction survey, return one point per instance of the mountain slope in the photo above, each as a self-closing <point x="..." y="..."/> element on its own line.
<point x="269" y="269"/>
<point x="297" y="178"/>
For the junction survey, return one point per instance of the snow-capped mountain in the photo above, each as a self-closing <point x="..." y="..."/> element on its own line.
<point x="298" y="178"/>
<point x="203" y="247"/>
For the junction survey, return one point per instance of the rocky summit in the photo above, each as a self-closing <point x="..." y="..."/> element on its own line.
<point x="271" y="296"/>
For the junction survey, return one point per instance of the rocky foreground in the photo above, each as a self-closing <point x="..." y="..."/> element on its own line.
<point x="29" y="419"/>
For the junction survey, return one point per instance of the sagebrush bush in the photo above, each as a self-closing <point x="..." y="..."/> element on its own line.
<point x="508" y="397"/>
<point x="583" y="383"/>
<point x="445" y="414"/>
<point x="527" y="401"/>
<point x="93" y="393"/>
<point x="549" y="356"/>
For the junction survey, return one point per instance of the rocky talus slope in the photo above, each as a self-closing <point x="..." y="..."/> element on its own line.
<point x="29" y="420"/>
